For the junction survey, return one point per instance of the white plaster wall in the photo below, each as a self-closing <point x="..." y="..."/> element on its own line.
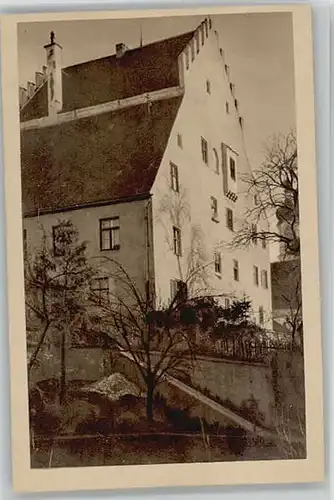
<point x="203" y="114"/>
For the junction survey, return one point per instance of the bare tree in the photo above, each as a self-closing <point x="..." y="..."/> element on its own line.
<point x="193" y="265"/>
<point x="56" y="285"/>
<point x="287" y="298"/>
<point x="274" y="187"/>
<point x="155" y="341"/>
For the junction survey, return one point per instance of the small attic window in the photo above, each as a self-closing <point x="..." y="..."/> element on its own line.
<point x="208" y="87"/>
<point x="179" y="140"/>
<point x="227" y="107"/>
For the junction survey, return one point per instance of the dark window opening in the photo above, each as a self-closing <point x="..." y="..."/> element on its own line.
<point x="229" y="219"/>
<point x="204" y="149"/>
<point x="236" y="270"/>
<point x="177" y="244"/>
<point x="232" y="169"/>
<point x="109" y="234"/>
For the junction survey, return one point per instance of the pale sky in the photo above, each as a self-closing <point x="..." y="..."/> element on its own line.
<point x="258" y="48"/>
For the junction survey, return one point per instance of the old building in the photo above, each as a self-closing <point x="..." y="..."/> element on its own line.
<point x="143" y="151"/>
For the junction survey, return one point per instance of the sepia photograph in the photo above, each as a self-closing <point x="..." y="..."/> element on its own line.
<point x="161" y="246"/>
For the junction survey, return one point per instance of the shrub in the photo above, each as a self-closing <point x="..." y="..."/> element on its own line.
<point x="236" y="439"/>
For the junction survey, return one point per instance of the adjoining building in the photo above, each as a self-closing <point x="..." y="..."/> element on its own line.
<point x="143" y="151"/>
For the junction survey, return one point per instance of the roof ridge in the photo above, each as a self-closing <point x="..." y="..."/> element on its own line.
<point x="192" y="32"/>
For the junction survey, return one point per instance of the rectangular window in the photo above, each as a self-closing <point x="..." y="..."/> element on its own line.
<point x="227" y="303"/>
<point x="179" y="140"/>
<point x="178" y="290"/>
<point x="229" y="219"/>
<point x="236" y="104"/>
<point x="192" y="49"/>
<point x="174" y="177"/>
<point x="236" y="270"/>
<point x="254" y="234"/>
<point x="214" y="209"/>
<point x="197" y="41"/>
<point x="256" y="200"/>
<point x="204" y="149"/>
<point x="261" y="315"/>
<point x="218" y="262"/>
<point x="264" y="244"/>
<point x="177" y="243"/>
<point x="109" y="234"/>
<point x="100" y="289"/>
<point x="256" y="275"/>
<point x="227" y="107"/>
<point x="264" y="278"/>
<point x="59" y="240"/>
<point x="208" y="87"/>
<point x="232" y="169"/>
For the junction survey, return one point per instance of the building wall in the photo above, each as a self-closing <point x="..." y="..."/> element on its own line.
<point x="204" y="114"/>
<point x="134" y="253"/>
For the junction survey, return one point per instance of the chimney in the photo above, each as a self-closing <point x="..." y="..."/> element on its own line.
<point x="39" y="78"/>
<point x="121" y="48"/>
<point x="23" y="97"/>
<point x="31" y="87"/>
<point x="54" y="75"/>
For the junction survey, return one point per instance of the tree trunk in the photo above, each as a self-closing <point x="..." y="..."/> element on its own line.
<point x="149" y="400"/>
<point x="62" y="392"/>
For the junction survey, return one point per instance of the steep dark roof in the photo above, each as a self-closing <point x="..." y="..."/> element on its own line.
<point x="141" y="70"/>
<point x="106" y="157"/>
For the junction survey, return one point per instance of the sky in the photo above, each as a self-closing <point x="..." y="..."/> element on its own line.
<point x="258" y="48"/>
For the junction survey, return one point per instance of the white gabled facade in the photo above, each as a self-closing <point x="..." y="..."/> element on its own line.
<point x="205" y="145"/>
<point x="195" y="195"/>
